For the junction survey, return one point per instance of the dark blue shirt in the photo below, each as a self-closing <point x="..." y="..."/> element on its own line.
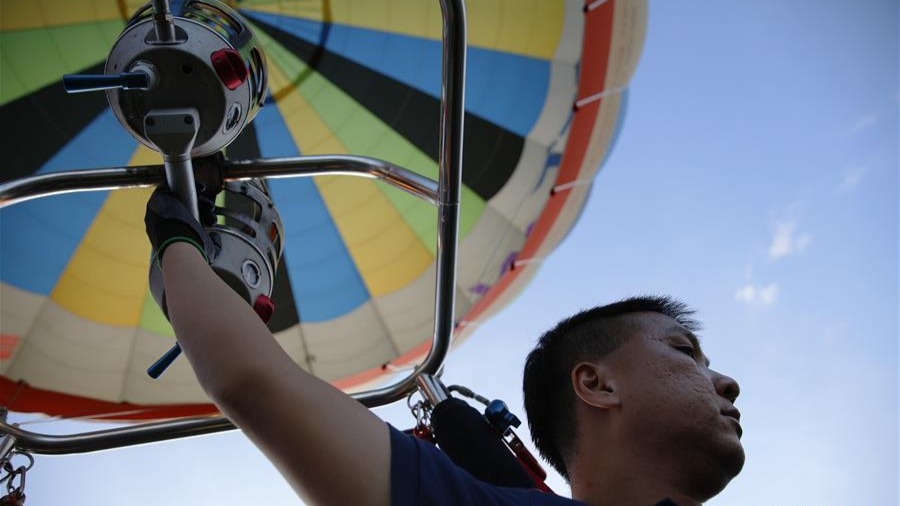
<point x="421" y="475"/>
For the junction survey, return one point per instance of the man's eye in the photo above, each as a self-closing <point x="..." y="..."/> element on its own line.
<point x="687" y="350"/>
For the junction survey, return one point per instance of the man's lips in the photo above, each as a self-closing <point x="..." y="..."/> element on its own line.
<point x="733" y="413"/>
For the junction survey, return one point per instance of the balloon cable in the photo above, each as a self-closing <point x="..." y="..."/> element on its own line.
<point x="593" y="5"/>
<point x="581" y="102"/>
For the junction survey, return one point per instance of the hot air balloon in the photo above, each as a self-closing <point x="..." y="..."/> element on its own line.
<point x="545" y="99"/>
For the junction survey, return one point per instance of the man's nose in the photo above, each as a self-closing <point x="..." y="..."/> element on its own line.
<point x="726" y="386"/>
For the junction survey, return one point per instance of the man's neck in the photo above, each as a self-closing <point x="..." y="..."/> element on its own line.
<point x="622" y="485"/>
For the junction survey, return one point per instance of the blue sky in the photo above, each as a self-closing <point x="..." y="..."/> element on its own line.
<point x="757" y="179"/>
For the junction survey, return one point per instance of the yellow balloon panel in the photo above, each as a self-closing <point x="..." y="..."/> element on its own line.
<point x="517" y="33"/>
<point x="388" y="254"/>
<point x="28" y="14"/>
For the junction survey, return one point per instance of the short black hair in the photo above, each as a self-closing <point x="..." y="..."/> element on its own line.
<point x="589" y="335"/>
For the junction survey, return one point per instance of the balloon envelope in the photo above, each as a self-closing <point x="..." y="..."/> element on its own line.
<point x="355" y="291"/>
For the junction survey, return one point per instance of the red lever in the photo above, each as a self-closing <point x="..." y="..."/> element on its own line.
<point x="230" y="67"/>
<point x="264" y="307"/>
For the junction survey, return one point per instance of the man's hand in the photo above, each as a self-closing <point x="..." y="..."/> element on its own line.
<point x="168" y="221"/>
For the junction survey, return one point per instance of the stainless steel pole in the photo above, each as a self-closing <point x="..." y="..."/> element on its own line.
<point x="58" y="183"/>
<point x="335" y="165"/>
<point x="21" y="190"/>
<point x="163" y="22"/>
<point x="432" y="389"/>
<point x="453" y="81"/>
<point x="114" y="438"/>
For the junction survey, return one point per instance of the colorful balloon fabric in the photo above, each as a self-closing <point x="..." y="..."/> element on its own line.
<point x="355" y="296"/>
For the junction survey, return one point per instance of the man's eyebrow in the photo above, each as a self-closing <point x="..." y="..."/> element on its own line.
<point x="694" y="341"/>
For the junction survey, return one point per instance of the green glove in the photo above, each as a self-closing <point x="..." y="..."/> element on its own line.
<point x="169" y="221"/>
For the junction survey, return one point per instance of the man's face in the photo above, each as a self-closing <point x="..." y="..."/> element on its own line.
<point x="675" y="409"/>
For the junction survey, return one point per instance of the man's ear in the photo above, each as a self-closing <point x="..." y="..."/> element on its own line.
<point x="593" y="384"/>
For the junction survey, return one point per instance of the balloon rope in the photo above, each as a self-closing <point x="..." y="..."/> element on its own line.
<point x="527" y="261"/>
<point x="597" y="96"/>
<point x="387" y="366"/>
<point x="20" y="386"/>
<point x="593" y="5"/>
<point x="571" y="184"/>
<point x="467" y="323"/>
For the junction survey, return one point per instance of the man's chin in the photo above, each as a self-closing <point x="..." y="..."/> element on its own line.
<point x="732" y="463"/>
<point x="735" y="463"/>
<point x="729" y="463"/>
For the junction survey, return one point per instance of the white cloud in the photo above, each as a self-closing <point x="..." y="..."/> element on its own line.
<point x="852" y="178"/>
<point x="768" y="295"/>
<point x="786" y="241"/>
<point x="864" y="123"/>
<point x="754" y="295"/>
<point x="746" y="294"/>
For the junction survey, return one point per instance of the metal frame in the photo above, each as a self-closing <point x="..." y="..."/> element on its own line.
<point x="444" y="193"/>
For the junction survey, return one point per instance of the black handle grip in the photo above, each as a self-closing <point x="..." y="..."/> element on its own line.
<point x="160" y="366"/>
<point x="79" y="83"/>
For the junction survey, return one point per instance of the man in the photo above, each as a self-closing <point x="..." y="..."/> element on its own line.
<point x="620" y="400"/>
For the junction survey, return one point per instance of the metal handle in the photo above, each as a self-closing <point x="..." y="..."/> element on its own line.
<point x="173" y="131"/>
